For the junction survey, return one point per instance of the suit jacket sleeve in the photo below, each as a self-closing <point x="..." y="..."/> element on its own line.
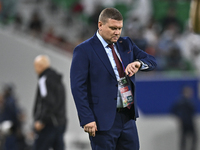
<point x="79" y="73"/>
<point x="147" y="59"/>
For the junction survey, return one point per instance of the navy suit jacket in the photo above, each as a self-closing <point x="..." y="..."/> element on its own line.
<point x="93" y="82"/>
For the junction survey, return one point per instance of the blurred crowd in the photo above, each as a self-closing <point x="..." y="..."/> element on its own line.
<point x="173" y="44"/>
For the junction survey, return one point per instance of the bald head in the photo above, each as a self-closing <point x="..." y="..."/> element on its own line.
<point x="41" y="63"/>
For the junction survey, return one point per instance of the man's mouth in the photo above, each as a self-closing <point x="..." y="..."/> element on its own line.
<point x="115" y="37"/>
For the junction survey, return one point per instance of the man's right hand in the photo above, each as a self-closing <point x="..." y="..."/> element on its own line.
<point x="38" y="126"/>
<point x="91" y="128"/>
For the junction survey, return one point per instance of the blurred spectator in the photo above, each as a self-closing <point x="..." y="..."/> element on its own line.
<point x="139" y="39"/>
<point x="18" y="22"/>
<point x="184" y="110"/>
<point x="132" y="26"/>
<point x="167" y="42"/>
<point x="171" y="19"/>
<point x="50" y="36"/>
<point x="135" y="31"/>
<point x="93" y="18"/>
<point x="151" y="32"/>
<point x="11" y="123"/>
<point x="77" y="7"/>
<point x="35" y="25"/>
<point x="175" y="61"/>
<point x="49" y="110"/>
<point x="170" y="50"/>
<point x="190" y="46"/>
<point x="52" y="6"/>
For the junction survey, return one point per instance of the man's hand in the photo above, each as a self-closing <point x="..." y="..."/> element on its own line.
<point x="38" y="125"/>
<point x="91" y="128"/>
<point x="132" y="68"/>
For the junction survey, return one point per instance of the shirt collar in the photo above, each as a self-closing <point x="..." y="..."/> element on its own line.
<point x="104" y="43"/>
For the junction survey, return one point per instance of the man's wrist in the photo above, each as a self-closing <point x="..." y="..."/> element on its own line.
<point x="143" y="66"/>
<point x="140" y="63"/>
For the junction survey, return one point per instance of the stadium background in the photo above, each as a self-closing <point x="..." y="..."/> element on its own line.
<point x="156" y="91"/>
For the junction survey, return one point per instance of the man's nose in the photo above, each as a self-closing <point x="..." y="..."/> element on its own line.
<point x="117" y="31"/>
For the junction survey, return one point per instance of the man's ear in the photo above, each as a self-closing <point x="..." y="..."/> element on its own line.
<point x="100" y="25"/>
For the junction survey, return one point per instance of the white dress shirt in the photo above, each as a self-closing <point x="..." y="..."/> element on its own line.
<point x="114" y="66"/>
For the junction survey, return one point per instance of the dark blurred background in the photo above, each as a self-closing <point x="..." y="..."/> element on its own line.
<point x="162" y="28"/>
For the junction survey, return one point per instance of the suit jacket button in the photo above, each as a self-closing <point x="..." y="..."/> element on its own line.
<point x="116" y="85"/>
<point x="115" y="98"/>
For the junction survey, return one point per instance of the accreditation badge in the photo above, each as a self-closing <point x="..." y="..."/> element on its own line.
<point x="125" y="91"/>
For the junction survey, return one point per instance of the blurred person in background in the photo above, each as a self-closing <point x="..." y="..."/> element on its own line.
<point x="171" y="19"/>
<point x="95" y="72"/>
<point x="18" y="22"/>
<point x="184" y="110"/>
<point x="11" y="120"/>
<point x="169" y="50"/>
<point x="35" y="25"/>
<point x="190" y="47"/>
<point x="49" y="110"/>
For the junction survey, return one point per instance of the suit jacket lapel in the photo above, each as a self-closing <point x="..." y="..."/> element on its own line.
<point x="100" y="51"/>
<point x="122" y="52"/>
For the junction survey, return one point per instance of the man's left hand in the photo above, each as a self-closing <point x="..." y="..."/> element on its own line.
<point x="132" y="68"/>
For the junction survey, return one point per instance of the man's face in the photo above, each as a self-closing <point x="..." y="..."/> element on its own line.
<point x="38" y="68"/>
<point x="111" y="30"/>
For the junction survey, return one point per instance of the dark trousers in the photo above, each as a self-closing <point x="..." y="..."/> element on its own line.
<point x="11" y="142"/>
<point x="188" y="137"/>
<point x="50" y="137"/>
<point x="122" y="136"/>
